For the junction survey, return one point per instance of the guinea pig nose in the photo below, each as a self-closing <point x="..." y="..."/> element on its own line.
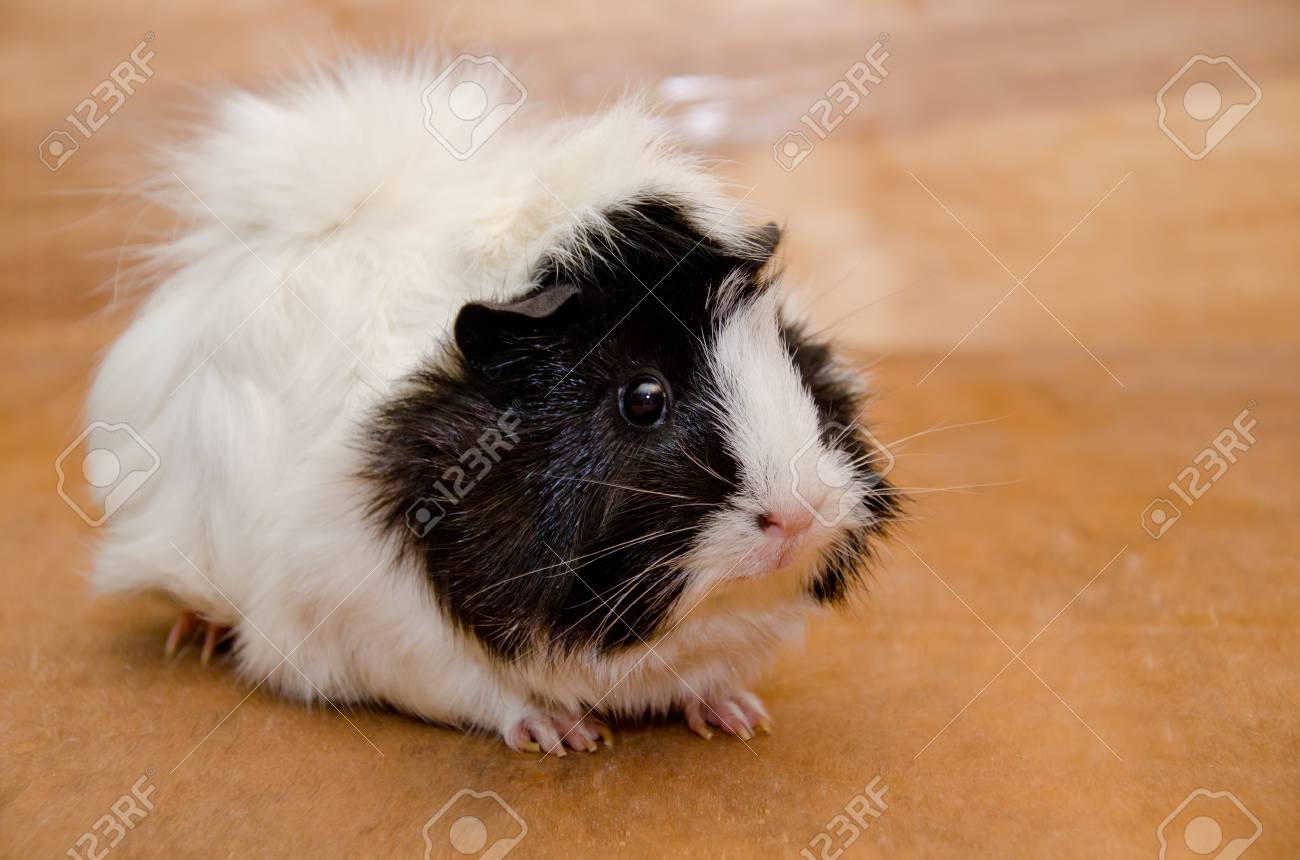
<point x="788" y="524"/>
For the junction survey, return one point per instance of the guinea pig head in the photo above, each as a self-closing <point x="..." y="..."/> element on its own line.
<point x="655" y="432"/>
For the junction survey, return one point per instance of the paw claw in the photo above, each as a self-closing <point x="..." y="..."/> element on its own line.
<point x="549" y="732"/>
<point x="180" y="633"/>
<point x="695" y="722"/>
<point x="186" y="626"/>
<point x="606" y="734"/>
<point x="211" y="636"/>
<point x="740" y="714"/>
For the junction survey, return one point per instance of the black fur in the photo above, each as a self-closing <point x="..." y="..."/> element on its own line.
<point x="839" y="410"/>
<point x="516" y="434"/>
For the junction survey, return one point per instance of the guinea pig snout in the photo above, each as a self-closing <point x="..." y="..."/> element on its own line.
<point x="785" y="537"/>
<point x="787" y="534"/>
<point x="787" y="523"/>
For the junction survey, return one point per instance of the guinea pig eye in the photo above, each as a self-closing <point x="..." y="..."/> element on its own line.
<point x="644" y="400"/>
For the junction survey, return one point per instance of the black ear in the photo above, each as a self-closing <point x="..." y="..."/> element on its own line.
<point x="483" y="329"/>
<point x="766" y="238"/>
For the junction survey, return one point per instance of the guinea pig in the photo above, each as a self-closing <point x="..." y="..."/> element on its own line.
<point x="522" y="441"/>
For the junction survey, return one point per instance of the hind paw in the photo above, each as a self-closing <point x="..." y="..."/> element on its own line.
<point x="740" y="714"/>
<point x="192" y="626"/>
<point x="548" y="731"/>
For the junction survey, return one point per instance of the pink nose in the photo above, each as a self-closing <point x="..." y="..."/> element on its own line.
<point x="785" y="524"/>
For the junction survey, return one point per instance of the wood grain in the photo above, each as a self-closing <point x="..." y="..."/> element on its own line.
<point x="1148" y="323"/>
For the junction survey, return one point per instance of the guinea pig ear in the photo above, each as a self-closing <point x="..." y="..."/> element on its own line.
<point x="483" y="328"/>
<point x="767" y="238"/>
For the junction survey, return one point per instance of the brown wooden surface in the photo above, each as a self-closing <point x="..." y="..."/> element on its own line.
<point x="1166" y="311"/>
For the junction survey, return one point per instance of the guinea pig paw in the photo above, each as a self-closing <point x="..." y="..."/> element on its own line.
<point x="548" y="732"/>
<point x="740" y="714"/>
<point x="191" y="625"/>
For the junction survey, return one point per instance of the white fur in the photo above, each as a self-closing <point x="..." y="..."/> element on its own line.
<point x="252" y="392"/>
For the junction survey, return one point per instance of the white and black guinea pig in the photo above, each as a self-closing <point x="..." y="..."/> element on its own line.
<point x="520" y="443"/>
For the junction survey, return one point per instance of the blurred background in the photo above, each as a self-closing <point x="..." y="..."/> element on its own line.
<point x="1069" y="232"/>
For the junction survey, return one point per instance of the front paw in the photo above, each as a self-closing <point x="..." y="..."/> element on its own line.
<point x="738" y="713"/>
<point x="548" y="730"/>
<point x="191" y="625"/>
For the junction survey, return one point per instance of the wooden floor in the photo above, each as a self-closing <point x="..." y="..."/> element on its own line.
<point x="1001" y="225"/>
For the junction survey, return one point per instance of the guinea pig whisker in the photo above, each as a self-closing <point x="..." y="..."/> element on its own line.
<point x="868" y="459"/>
<point x="566" y="565"/>
<point x="844" y="432"/>
<point x="705" y="468"/>
<point x="669" y="562"/>
<point x="589" y="559"/>
<point x="629" y="543"/>
<point x="673" y="556"/>
<point x="873" y="460"/>
<point x="600" y="553"/>
<point x="597" y="603"/>
<point x="959" y="488"/>
<point x="615" y="600"/>
<point x="843" y="318"/>
<point x="878" y="455"/>
<point x="631" y="588"/>
<point x="616" y="486"/>
<point x="559" y="636"/>
<point x="944" y="425"/>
